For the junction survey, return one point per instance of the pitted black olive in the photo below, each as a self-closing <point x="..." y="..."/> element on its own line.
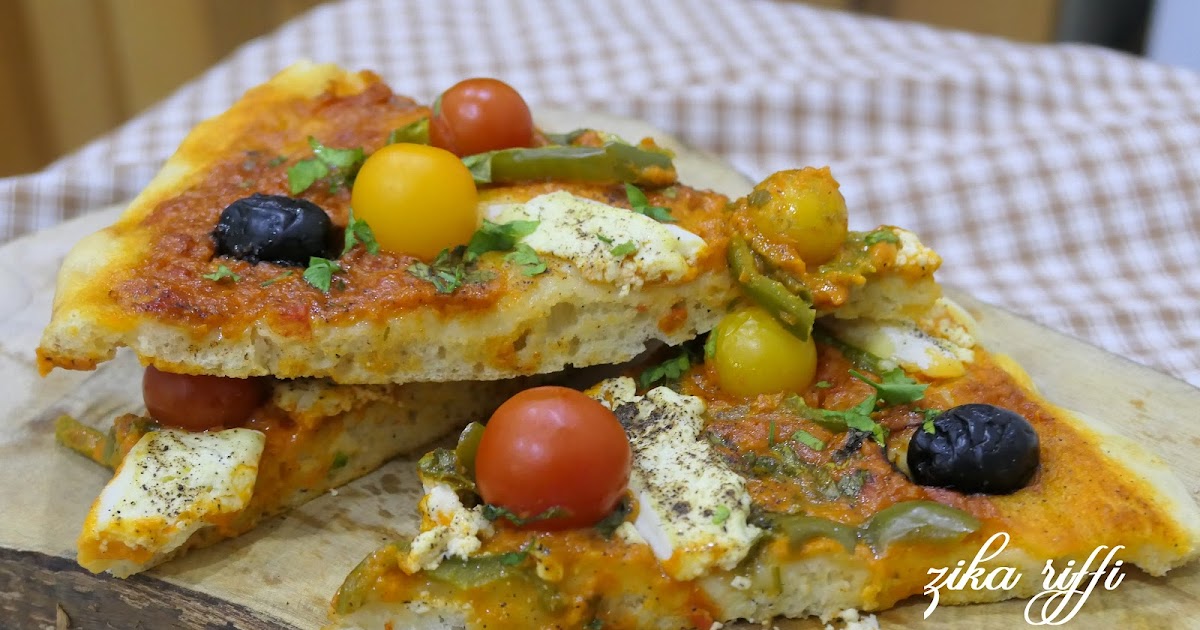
<point x="975" y="448"/>
<point x="273" y="228"/>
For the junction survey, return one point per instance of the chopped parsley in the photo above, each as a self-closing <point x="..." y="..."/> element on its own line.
<point x="222" y="273"/>
<point x="720" y="515"/>
<point x="497" y="237"/>
<point x="822" y="384"/>
<point x="882" y="235"/>
<point x="856" y="417"/>
<point x="448" y="271"/>
<point x="895" y="388"/>
<point x="524" y="257"/>
<point x="930" y="415"/>
<point x="604" y="239"/>
<point x="340" y="460"/>
<point x="320" y="272"/>
<point x="641" y="205"/>
<point x="338" y="165"/>
<point x="710" y="345"/>
<point x="624" y="249"/>
<point x="357" y="231"/>
<point x="495" y="512"/>
<point x="268" y="282"/>
<point x="668" y="370"/>
<point x="809" y="440"/>
<point x="453" y="268"/>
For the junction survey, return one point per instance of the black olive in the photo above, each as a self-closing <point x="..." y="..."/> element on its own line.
<point x="975" y="448"/>
<point x="273" y="228"/>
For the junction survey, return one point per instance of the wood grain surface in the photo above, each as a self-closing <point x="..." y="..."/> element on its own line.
<point x="284" y="573"/>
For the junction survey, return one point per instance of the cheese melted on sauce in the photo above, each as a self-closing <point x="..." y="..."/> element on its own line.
<point x="586" y="232"/>
<point x="692" y="509"/>
<point x="448" y="529"/>
<point x="170" y="484"/>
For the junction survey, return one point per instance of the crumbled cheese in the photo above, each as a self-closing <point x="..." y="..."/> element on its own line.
<point x="171" y="484"/>
<point x="679" y="482"/>
<point x="913" y="255"/>
<point x="740" y="583"/>
<point x="450" y="530"/>
<point x="585" y="232"/>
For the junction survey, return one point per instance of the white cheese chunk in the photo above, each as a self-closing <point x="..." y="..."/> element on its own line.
<point x="585" y="232"/>
<point x="449" y="529"/>
<point x="170" y="484"/>
<point x="692" y="509"/>
<point x="937" y="344"/>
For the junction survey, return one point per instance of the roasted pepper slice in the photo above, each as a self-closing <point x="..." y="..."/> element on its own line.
<point x="106" y="449"/>
<point x="923" y="521"/>
<point x="468" y="445"/>
<point x="613" y="163"/>
<point x="801" y="528"/>
<point x="790" y="309"/>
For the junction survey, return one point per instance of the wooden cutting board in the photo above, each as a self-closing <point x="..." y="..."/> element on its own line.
<point x="283" y="574"/>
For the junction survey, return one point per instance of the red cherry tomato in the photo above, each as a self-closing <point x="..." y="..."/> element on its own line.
<point x="199" y="403"/>
<point x="479" y="115"/>
<point x="553" y="447"/>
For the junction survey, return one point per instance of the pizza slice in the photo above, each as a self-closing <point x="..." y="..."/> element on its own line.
<point x="292" y="346"/>
<point x="244" y="256"/>
<point x="779" y="467"/>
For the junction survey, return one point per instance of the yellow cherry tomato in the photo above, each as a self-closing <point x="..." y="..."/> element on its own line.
<point x="804" y="209"/>
<point x="417" y="199"/>
<point x="754" y="355"/>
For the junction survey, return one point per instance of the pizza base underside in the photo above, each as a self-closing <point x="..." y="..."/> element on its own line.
<point x="537" y="325"/>
<point x="1146" y="509"/>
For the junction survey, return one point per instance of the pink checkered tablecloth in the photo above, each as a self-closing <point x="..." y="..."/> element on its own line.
<point x="1060" y="182"/>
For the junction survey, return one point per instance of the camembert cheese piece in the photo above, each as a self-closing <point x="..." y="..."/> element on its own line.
<point x="170" y="484"/>
<point x="605" y="243"/>
<point x="692" y="509"/>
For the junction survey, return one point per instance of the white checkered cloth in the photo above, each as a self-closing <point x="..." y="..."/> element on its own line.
<point x="1060" y="182"/>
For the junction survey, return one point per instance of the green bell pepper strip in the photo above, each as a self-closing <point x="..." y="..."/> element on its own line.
<point x="106" y="449"/>
<point x="468" y="445"/>
<point x="923" y="521"/>
<point x="796" y="315"/>
<point x="800" y="528"/>
<point x="613" y="163"/>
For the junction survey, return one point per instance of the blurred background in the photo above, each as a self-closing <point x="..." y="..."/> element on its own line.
<point x="75" y="69"/>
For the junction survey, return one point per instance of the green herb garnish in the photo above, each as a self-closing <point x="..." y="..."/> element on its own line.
<point x="268" y="282"/>
<point x="495" y="512"/>
<point x="720" y="515"/>
<point x="357" y="231"/>
<point x="822" y="385"/>
<point x="340" y="459"/>
<point x="895" y="388"/>
<point x="497" y="237"/>
<point x="641" y="205"/>
<point x="339" y="165"/>
<point x="221" y="273"/>
<point x="624" y="249"/>
<point x="527" y="259"/>
<point x="809" y="440"/>
<point x="668" y="370"/>
<point x="882" y="235"/>
<point x="320" y="272"/>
